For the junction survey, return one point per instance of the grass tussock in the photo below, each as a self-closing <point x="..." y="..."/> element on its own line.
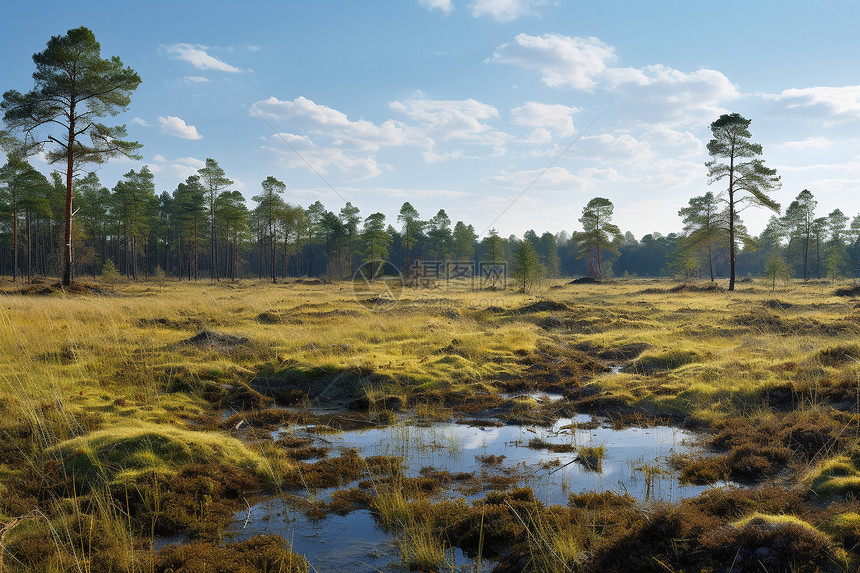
<point x="838" y="476"/>
<point x="121" y="454"/>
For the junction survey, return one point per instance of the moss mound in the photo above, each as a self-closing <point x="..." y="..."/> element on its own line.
<point x="122" y="454"/>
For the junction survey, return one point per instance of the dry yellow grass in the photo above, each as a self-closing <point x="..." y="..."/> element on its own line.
<point x="136" y="379"/>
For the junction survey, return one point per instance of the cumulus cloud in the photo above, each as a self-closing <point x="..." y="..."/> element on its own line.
<point x="448" y="119"/>
<point x="836" y="102"/>
<point x="302" y="153"/>
<point x="659" y="93"/>
<point x="304" y="114"/>
<point x="445" y="6"/>
<point x="175" y="170"/>
<point x="553" y="176"/>
<point x="425" y="123"/>
<point x="614" y="149"/>
<point x="808" y="143"/>
<point x="681" y="143"/>
<point x="140" y="121"/>
<point x="561" y="60"/>
<point x="555" y="117"/>
<point x="655" y="94"/>
<point x="197" y="56"/>
<point x="177" y="127"/>
<point x="457" y="122"/>
<point x="503" y="10"/>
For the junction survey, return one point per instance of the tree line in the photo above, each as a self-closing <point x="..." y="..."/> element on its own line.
<point x="205" y="230"/>
<point x="71" y="224"/>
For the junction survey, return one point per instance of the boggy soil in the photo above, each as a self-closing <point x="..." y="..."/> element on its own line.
<point x="115" y="431"/>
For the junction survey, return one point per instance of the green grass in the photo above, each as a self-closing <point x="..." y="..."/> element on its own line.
<point x="115" y="388"/>
<point x="123" y="454"/>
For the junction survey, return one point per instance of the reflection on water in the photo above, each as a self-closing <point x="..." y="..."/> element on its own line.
<point x="350" y="543"/>
<point x="538" y="395"/>
<point x="634" y="463"/>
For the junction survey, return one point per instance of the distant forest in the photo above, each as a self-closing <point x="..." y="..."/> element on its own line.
<point x="72" y="225"/>
<point x="204" y="230"/>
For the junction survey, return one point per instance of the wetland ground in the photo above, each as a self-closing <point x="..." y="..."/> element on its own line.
<point x="634" y="425"/>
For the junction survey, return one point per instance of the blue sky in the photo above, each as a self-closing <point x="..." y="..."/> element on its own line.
<point x="467" y="105"/>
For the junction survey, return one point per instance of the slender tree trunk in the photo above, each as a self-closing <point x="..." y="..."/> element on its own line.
<point x="14" y="245"/>
<point x="272" y="247"/>
<point x="70" y="172"/>
<point x="732" y="219"/>
<point x="711" y="260"/>
<point x="29" y="249"/>
<point x="818" y="257"/>
<point x="806" y="257"/>
<point x="213" y="246"/>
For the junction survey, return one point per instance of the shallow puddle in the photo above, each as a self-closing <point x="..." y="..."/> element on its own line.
<point x="537" y="395"/>
<point x="635" y="462"/>
<point x="350" y="544"/>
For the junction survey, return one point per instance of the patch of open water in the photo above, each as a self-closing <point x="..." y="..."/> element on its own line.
<point x="635" y="462"/>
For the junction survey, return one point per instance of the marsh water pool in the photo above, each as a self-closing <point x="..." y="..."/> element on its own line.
<point x="634" y="461"/>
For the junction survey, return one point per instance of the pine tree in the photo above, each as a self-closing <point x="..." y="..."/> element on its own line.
<point x="74" y="87"/>
<point x="527" y="268"/>
<point x="745" y="172"/>
<point x="598" y="234"/>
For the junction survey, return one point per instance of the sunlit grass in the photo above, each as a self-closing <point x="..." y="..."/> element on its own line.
<point x="113" y="387"/>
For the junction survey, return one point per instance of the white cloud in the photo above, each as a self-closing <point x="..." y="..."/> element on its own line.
<point x="561" y="60"/>
<point x="141" y="122"/>
<point x="553" y="176"/>
<point x="357" y="141"/>
<point x="616" y="149"/>
<point x="838" y="102"/>
<point x="196" y="55"/>
<point x="445" y="6"/>
<point x="681" y="143"/>
<point x="454" y="121"/>
<point x="808" y="143"/>
<point x="187" y="161"/>
<point x="665" y="174"/>
<point x="650" y="95"/>
<point x="448" y="119"/>
<point x="303" y="154"/>
<point x="196" y="80"/>
<point x="503" y="10"/>
<point x="431" y="156"/>
<point x="302" y="113"/>
<point x="192" y="162"/>
<point x="176" y="170"/>
<point x="556" y="178"/>
<point x="176" y="127"/>
<point x="556" y="117"/>
<point x="660" y="94"/>
<point x="420" y="193"/>
<point x="539" y="136"/>
<point x="296" y="141"/>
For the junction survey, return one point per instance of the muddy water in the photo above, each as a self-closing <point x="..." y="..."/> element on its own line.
<point x="635" y="462"/>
